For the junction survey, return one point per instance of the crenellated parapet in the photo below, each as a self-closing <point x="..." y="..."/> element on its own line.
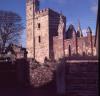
<point x="42" y="12"/>
<point x="47" y="11"/>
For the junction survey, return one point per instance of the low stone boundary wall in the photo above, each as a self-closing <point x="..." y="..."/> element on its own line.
<point x="82" y="78"/>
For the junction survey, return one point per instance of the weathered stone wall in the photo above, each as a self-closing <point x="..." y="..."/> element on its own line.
<point x="29" y="29"/>
<point x="70" y="46"/>
<point x="41" y="38"/>
<point x="56" y="31"/>
<point x="58" y="48"/>
<point x="37" y="28"/>
<point x="82" y="79"/>
<point x="83" y="46"/>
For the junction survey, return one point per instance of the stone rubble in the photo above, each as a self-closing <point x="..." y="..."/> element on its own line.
<point x="42" y="74"/>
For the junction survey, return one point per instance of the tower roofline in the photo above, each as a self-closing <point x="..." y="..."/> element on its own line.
<point x="27" y="1"/>
<point x="46" y="11"/>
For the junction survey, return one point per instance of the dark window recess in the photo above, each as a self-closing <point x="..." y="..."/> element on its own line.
<point x="39" y="38"/>
<point x="38" y="25"/>
<point x="30" y="8"/>
<point x="69" y="50"/>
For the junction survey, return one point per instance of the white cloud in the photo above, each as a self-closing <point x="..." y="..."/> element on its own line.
<point x="93" y="31"/>
<point x="94" y="7"/>
<point x="57" y="1"/>
<point x="84" y="32"/>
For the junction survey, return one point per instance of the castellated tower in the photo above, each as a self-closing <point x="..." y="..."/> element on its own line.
<point x="43" y="38"/>
<point x="32" y="6"/>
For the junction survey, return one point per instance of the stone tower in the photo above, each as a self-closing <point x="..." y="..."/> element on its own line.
<point x="32" y="6"/>
<point x="42" y="29"/>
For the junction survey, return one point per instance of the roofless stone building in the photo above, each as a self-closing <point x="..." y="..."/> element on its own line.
<point x="47" y="36"/>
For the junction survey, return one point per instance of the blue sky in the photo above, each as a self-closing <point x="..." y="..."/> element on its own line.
<point x="84" y="10"/>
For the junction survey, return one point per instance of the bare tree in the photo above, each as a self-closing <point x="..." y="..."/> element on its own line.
<point x="11" y="28"/>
